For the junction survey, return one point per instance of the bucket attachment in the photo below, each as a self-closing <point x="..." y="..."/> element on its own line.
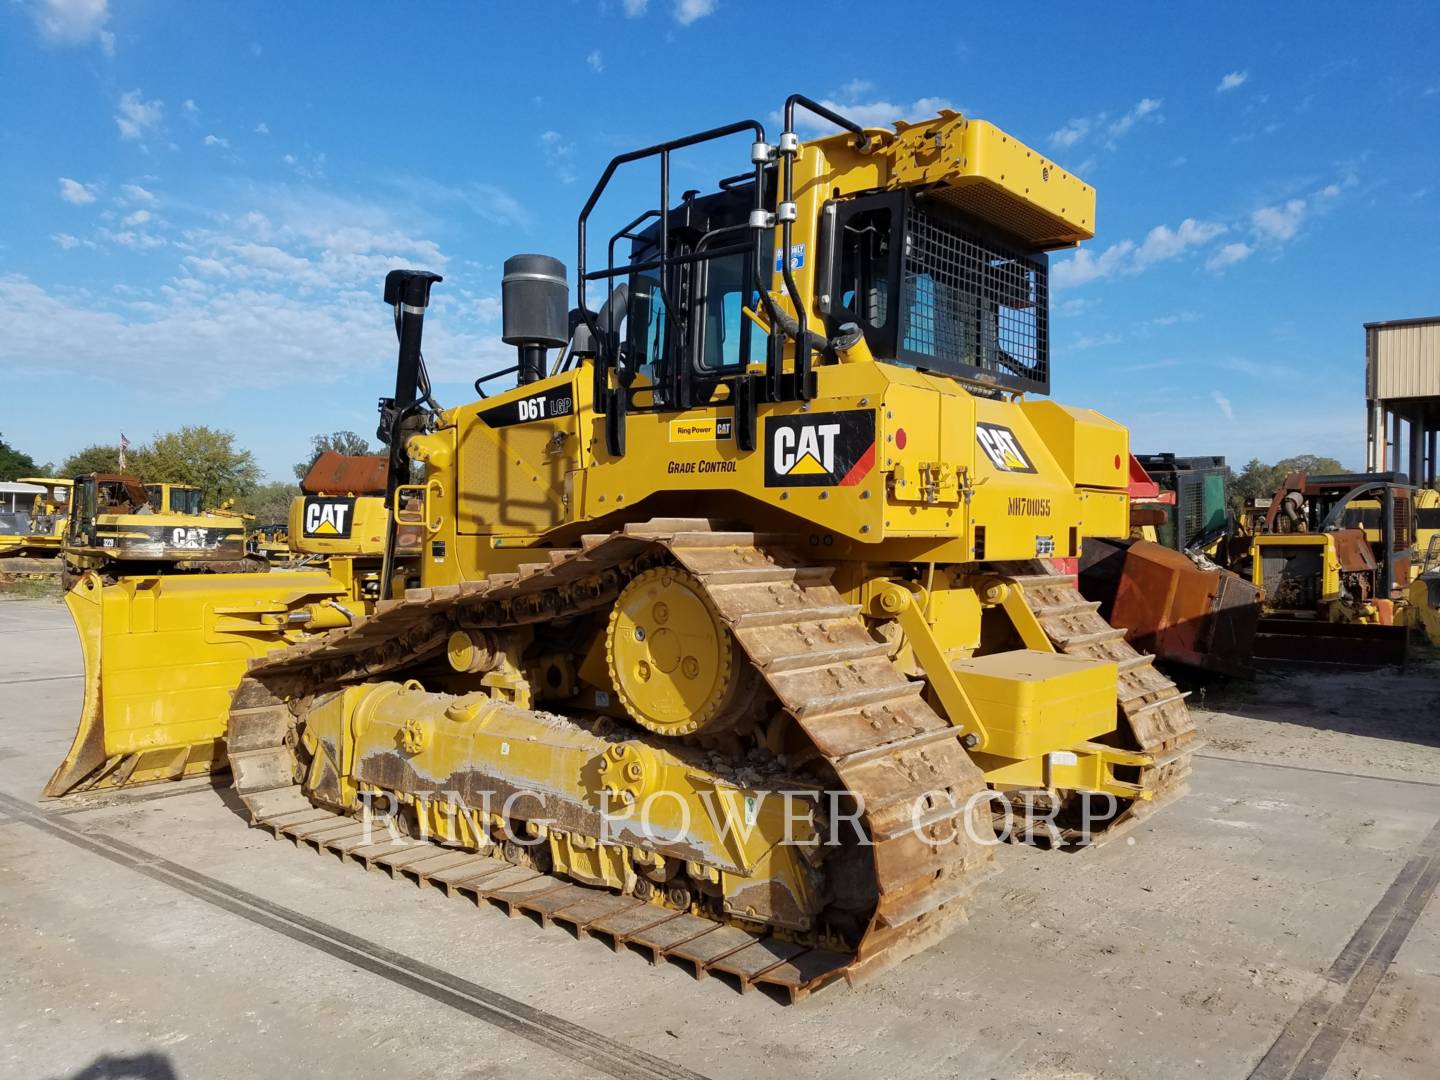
<point x="162" y="656"/>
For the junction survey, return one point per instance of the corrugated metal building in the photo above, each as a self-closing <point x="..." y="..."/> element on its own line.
<point x="1402" y="396"/>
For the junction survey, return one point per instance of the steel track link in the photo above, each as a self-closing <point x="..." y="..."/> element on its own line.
<point x="1152" y="709"/>
<point x="899" y="758"/>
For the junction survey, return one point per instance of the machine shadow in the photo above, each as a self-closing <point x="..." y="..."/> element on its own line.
<point x="146" y="1066"/>
<point x="1386" y="703"/>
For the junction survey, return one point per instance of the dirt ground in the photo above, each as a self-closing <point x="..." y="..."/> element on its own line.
<point x="1276" y="921"/>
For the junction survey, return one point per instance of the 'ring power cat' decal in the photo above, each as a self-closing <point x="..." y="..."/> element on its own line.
<point x="819" y="449"/>
<point x="1003" y="448"/>
<point x="328" y="517"/>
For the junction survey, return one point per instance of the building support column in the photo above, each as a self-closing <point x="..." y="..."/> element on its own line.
<point x="1417" y="444"/>
<point x="1374" y="434"/>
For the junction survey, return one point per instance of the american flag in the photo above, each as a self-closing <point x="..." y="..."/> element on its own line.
<point x="124" y="445"/>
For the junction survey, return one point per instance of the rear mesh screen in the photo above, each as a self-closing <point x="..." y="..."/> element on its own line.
<point x="972" y="306"/>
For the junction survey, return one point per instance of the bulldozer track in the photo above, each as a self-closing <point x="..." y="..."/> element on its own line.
<point x="900" y="759"/>
<point x="1151" y="708"/>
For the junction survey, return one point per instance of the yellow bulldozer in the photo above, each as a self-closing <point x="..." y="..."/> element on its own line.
<point x="120" y="527"/>
<point x="44" y="535"/>
<point x="734" y="632"/>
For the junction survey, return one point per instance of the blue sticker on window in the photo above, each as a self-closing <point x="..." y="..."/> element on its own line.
<point x="797" y="258"/>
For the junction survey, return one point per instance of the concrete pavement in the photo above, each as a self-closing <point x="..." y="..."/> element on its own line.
<point x="1283" y="895"/>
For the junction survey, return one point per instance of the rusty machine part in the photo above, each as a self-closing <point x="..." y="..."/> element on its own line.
<point x="1172" y="606"/>
<point x="1334" y="570"/>
<point x="334" y="473"/>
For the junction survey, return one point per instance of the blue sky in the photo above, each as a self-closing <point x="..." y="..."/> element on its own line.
<point x="200" y="200"/>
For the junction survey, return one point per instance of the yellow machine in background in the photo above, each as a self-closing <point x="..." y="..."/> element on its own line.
<point x="270" y="542"/>
<point x="48" y="520"/>
<point x="775" y="518"/>
<point x="118" y="526"/>
<point x="1333" y="560"/>
<point x="174" y="498"/>
<point x="1425" y="589"/>
<point x="342" y="519"/>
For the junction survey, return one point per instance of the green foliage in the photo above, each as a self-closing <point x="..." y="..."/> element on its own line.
<point x="202" y="456"/>
<point x="15" y="464"/>
<point x="1259" y="481"/>
<point x="268" y="502"/>
<point x="99" y="458"/>
<point x="342" y="442"/>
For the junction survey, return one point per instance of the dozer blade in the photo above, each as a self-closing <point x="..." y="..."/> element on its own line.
<point x="1170" y="607"/>
<point x="162" y="658"/>
<point x="1315" y="642"/>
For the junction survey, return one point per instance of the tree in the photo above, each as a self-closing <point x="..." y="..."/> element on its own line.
<point x="99" y="458"/>
<point x="269" y="502"/>
<point x="342" y="442"/>
<point x="15" y="464"/>
<point x="204" y="457"/>
<point x="1259" y="481"/>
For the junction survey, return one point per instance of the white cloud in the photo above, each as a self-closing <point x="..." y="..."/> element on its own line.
<point x="191" y="109"/>
<point x="868" y="113"/>
<point x="487" y="201"/>
<point x="216" y="140"/>
<point x="1163" y="243"/>
<point x="855" y="89"/>
<point x="73" y="191"/>
<point x="635" y="8"/>
<point x="1173" y="319"/>
<point x="1229" y="255"/>
<point x="139" y="217"/>
<point x="1233" y="81"/>
<point x="688" y="11"/>
<point x="559" y="155"/>
<point x="596" y="61"/>
<point x="262" y="128"/>
<point x="1223" y="404"/>
<point x="292" y="288"/>
<point x="133" y="239"/>
<point x="1154" y="365"/>
<point x="1145" y="107"/>
<point x="137" y="117"/>
<point x="136" y="193"/>
<point x="1279" y="223"/>
<point x="1095" y="341"/>
<point x="74" y="22"/>
<point x="204" y="341"/>
<point x="1071" y="134"/>
<point x="1085" y="266"/>
<point x="1082" y="128"/>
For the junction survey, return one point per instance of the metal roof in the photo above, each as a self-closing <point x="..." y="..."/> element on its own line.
<point x="1425" y="320"/>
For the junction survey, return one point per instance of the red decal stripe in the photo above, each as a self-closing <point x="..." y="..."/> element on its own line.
<point x="861" y="468"/>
